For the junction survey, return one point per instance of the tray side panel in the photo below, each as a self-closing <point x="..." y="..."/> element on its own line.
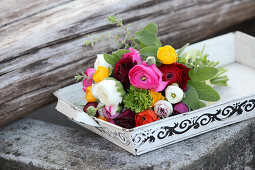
<point x="245" y="49"/>
<point x="190" y="125"/>
<point x="117" y="135"/>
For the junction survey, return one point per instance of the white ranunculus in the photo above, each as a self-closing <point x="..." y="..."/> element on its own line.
<point x="107" y="93"/>
<point x="174" y="94"/>
<point x="100" y="61"/>
<point x="163" y="108"/>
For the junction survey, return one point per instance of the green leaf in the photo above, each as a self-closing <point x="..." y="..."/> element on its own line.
<point x="152" y="28"/>
<point x="149" y="51"/>
<point x="191" y="98"/>
<point x="148" y="38"/>
<point x="109" y="59"/>
<point x="202" y="74"/>
<point x="205" y="92"/>
<point x="201" y="104"/>
<point x="142" y="45"/>
<point x="179" y="52"/>
<point x="115" y="56"/>
<point x="121" y="52"/>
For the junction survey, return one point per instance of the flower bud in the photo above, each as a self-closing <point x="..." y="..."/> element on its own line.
<point x="91" y="111"/>
<point x="163" y="108"/>
<point x="150" y="60"/>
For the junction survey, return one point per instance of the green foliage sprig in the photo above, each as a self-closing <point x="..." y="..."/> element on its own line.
<point x="115" y="20"/>
<point x="137" y="100"/>
<point x="81" y="76"/>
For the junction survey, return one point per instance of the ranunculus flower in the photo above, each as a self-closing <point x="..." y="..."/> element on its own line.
<point x="121" y="70"/>
<point x="109" y="92"/>
<point x="100" y="61"/>
<point x="126" y="119"/>
<point x="134" y="55"/>
<point x="110" y="112"/>
<point x="88" y="81"/>
<point x="103" y="118"/>
<point x="94" y="104"/>
<point x="101" y="73"/>
<point x="174" y="94"/>
<point x="167" y="54"/>
<point x="145" y="117"/>
<point x="144" y="76"/>
<point x="180" y="108"/>
<point x="89" y="97"/>
<point x="163" y="108"/>
<point x="156" y="96"/>
<point x="175" y="73"/>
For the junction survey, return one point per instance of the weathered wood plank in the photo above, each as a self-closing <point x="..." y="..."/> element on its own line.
<point x="12" y="11"/>
<point x="42" y="53"/>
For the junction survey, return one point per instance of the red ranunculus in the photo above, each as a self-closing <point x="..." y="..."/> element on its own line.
<point x="126" y="119"/>
<point x="145" y="117"/>
<point x="175" y="73"/>
<point x="121" y="70"/>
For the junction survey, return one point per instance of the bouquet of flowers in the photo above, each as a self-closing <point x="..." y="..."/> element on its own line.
<point x="143" y="81"/>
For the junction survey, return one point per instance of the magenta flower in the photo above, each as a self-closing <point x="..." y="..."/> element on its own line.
<point x="88" y="81"/>
<point x="144" y="76"/>
<point x="180" y="108"/>
<point x="110" y="112"/>
<point x="134" y="55"/>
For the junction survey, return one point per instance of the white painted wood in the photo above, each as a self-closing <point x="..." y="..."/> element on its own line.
<point x="237" y="103"/>
<point x="245" y="49"/>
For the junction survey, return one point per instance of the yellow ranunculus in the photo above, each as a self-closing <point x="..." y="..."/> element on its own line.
<point x="89" y="97"/>
<point x="101" y="73"/>
<point x="156" y="96"/>
<point x="167" y="54"/>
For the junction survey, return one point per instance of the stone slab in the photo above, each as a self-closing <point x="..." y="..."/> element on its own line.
<point x="33" y="144"/>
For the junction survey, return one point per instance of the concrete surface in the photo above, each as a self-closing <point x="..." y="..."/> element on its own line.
<point x="33" y="144"/>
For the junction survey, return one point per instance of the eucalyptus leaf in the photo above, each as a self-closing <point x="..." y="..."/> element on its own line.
<point x="152" y="28"/>
<point x="109" y="59"/>
<point x="121" y="52"/>
<point x="205" y="92"/>
<point x="147" y="38"/>
<point x="142" y="45"/>
<point x="149" y="51"/>
<point x="201" y="104"/>
<point x="191" y="98"/>
<point x="202" y="74"/>
<point x="114" y="55"/>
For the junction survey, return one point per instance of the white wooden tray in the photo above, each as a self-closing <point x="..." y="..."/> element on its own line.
<point x="236" y="51"/>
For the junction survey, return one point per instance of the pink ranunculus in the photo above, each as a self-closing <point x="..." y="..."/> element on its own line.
<point x="144" y="76"/>
<point x="134" y="55"/>
<point x="90" y="71"/>
<point x="88" y="81"/>
<point x="110" y="112"/>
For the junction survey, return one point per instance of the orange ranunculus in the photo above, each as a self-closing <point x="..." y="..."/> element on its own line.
<point x="167" y="54"/>
<point x="103" y="118"/>
<point x="89" y="97"/>
<point x="145" y="117"/>
<point x="156" y="96"/>
<point x="101" y="73"/>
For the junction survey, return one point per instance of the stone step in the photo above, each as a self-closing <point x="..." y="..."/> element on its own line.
<point x="33" y="144"/>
